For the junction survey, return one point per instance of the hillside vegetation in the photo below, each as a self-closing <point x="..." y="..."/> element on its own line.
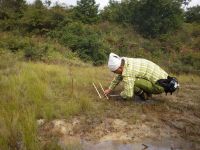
<point x="163" y="36"/>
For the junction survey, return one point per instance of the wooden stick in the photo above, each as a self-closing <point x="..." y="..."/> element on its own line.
<point x="97" y="90"/>
<point x="103" y="90"/>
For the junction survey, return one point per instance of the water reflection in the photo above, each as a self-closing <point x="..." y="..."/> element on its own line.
<point x="167" y="145"/>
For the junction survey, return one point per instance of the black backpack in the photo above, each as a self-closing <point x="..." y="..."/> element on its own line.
<point x="170" y="84"/>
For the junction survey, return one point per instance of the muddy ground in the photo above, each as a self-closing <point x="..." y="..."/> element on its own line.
<point x="163" y="119"/>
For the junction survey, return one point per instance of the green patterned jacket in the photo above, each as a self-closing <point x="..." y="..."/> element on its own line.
<point x="137" y="68"/>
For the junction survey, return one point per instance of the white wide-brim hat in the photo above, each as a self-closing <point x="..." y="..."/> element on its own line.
<point x="114" y="62"/>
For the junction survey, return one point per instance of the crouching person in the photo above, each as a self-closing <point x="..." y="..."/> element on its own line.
<point x="140" y="76"/>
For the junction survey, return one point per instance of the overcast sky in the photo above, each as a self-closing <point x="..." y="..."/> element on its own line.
<point x="101" y="2"/>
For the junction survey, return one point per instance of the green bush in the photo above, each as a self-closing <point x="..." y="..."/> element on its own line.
<point x="36" y="20"/>
<point x="10" y="13"/>
<point x="187" y="63"/>
<point x="153" y="18"/>
<point x="35" y="52"/>
<point x="83" y="40"/>
<point x="35" y="48"/>
<point x="193" y="14"/>
<point x="191" y="60"/>
<point x="119" y="12"/>
<point x="86" y="11"/>
<point x="13" y="43"/>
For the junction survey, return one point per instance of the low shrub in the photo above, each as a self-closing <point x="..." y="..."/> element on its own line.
<point x="187" y="63"/>
<point x="83" y="40"/>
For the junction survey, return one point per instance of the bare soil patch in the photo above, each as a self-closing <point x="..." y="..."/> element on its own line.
<point x="173" y="117"/>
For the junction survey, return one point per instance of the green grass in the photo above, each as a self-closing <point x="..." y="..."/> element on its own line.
<point x="30" y="91"/>
<point x="189" y="78"/>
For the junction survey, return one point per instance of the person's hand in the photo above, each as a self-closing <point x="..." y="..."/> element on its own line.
<point x="107" y="91"/>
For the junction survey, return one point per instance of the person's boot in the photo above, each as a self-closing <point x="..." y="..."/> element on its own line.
<point x="143" y="95"/>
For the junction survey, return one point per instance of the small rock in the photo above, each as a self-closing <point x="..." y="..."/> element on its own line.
<point x="62" y="127"/>
<point x="75" y="121"/>
<point x="40" y="122"/>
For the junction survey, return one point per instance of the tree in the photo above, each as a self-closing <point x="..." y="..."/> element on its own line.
<point x="36" y="18"/>
<point x="193" y="14"/>
<point x="110" y="12"/>
<point x="155" y="17"/>
<point x="11" y="8"/>
<point x="120" y="12"/>
<point x="10" y="13"/>
<point x="38" y="4"/>
<point x="86" y="11"/>
<point x="14" y="5"/>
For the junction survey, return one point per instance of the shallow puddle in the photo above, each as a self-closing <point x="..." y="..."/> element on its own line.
<point x="166" y="145"/>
